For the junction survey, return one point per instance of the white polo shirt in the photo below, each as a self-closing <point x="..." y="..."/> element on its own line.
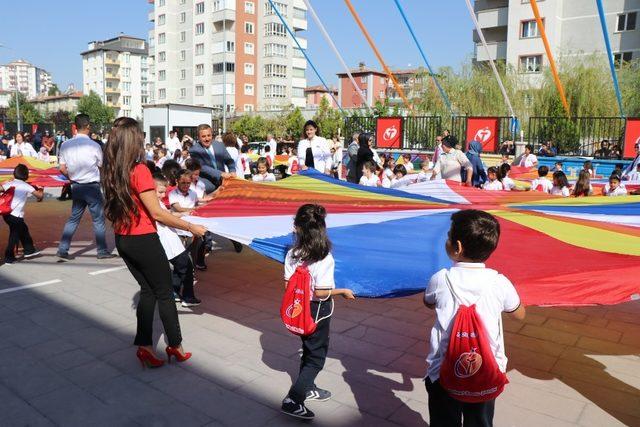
<point x="169" y="239"/>
<point x="188" y="201"/>
<point x="542" y="184"/>
<point x="23" y="149"/>
<point x="20" y="195"/>
<point x="473" y="284"/>
<point x="267" y="177"/>
<point x="199" y="188"/>
<point x="321" y="272"/>
<point x="83" y="157"/>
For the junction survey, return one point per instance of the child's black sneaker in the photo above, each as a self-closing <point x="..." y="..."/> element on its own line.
<point x="176" y="297"/>
<point x="32" y="254"/>
<point x="190" y="302"/>
<point x="319" y="395"/>
<point x="297" y="410"/>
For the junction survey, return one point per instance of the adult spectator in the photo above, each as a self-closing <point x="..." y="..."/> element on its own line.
<point x="452" y="162"/>
<point x="507" y="148"/>
<point x="604" y="151"/>
<point x="213" y="157"/>
<point x="37" y="140"/>
<point x="547" y="149"/>
<point x="634" y="164"/>
<point x="479" y="174"/>
<point x="272" y="143"/>
<point x="616" y="152"/>
<point x="365" y="154"/>
<point x="80" y="160"/>
<point x="528" y="159"/>
<point x="230" y="141"/>
<point x="173" y="143"/>
<point x="438" y="150"/>
<point x="313" y="150"/>
<point x="352" y="153"/>
<point x="21" y="147"/>
<point x="48" y="142"/>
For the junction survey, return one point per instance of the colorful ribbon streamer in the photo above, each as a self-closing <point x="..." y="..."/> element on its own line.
<point x="552" y="62"/>
<point x="377" y="53"/>
<point x="607" y="43"/>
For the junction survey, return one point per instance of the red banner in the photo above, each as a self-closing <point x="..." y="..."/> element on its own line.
<point x="485" y="131"/>
<point x="34" y="128"/>
<point x="631" y="138"/>
<point x="389" y="132"/>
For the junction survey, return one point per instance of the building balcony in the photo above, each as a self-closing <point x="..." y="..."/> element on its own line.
<point x="497" y="50"/>
<point x="152" y="16"/>
<point x="480" y="5"/>
<point x="113" y="90"/>
<point x="493" y="17"/>
<point x="299" y="24"/>
<point x="112" y="76"/>
<point x="227" y="12"/>
<point x="111" y="61"/>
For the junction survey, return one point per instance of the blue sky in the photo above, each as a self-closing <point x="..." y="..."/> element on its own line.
<point x="51" y="34"/>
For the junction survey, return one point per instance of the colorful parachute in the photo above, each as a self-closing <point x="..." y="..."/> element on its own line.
<point x="40" y="173"/>
<point x="388" y="243"/>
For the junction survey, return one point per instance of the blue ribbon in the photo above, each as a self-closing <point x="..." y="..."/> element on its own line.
<point x="614" y="76"/>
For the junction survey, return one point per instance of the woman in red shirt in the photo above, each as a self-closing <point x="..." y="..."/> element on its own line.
<point x="133" y="208"/>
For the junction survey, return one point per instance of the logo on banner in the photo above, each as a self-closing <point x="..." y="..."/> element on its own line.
<point x="390" y="133"/>
<point x="483" y="135"/>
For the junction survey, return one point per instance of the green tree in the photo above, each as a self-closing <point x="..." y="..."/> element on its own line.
<point x="28" y="112"/>
<point x="100" y="114"/>
<point x="252" y="126"/>
<point x="294" y="122"/>
<point x="329" y="119"/>
<point x="629" y="76"/>
<point x="61" y="119"/>
<point x="53" y="90"/>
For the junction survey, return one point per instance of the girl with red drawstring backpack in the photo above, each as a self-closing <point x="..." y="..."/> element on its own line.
<point x="310" y="262"/>
<point x="467" y="360"/>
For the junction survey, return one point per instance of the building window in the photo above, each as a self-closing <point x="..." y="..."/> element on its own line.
<point x="248" y="27"/>
<point x="275" y="49"/>
<point x="531" y="64"/>
<point x="529" y="29"/>
<point x="275" y="29"/>
<point x="126" y="86"/>
<point x="162" y="56"/>
<point x="275" y="70"/>
<point x="126" y="100"/>
<point x="626" y="21"/>
<point x="218" y="67"/>
<point x="248" y="89"/>
<point x="161" y="3"/>
<point x="199" y="90"/>
<point x="162" y="38"/>
<point x="275" y="91"/>
<point x="200" y="8"/>
<point x="622" y="57"/>
<point x="200" y="70"/>
<point x="183" y="92"/>
<point x="216" y="5"/>
<point x="183" y="74"/>
<point x="249" y="7"/>
<point x="199" y="28"/>
<point x="162" y="93"/>
<point x="268" y="9"/>
<point x="298" y="72"/>
<point x="297" y="92"/>
<point x="248" y="69"/>
<point x="363" y="79"/>
<point x="183" y="17"/>
<point x="299" y="13"/>
<point x="297" y="53"/>
<point x="162" y="75"/>
<point x="200" y="49"/>
<point x="381" y="94"/>
<point x="248" y="107"/>
<point x="183" y="36"/>
<point x="183" y="55"/>
<point x="231" y="46"/>
<point x="162" y="19"/>
<point x="248" y="48"/>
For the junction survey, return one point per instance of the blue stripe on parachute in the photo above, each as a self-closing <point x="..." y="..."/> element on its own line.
<point x="414" y="252"/>
<point x="615" y="209"/>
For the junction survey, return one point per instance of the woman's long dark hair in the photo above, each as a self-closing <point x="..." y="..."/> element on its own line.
<point x="583" y="185"/>
<point x="124" y="150"/>
<point x="311" y="242"/>
<point x="310" y="123"/>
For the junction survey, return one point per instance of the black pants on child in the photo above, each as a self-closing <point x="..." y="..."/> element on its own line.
<point x="144" y="256"/>
<point x="314" y="353"/>
<point x="18" y="232"/>
<point x="182" y="275"/>
<point x="445" y="411"/>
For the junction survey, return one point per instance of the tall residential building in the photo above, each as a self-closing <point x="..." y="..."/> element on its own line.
<point x="372" y="83"/>
<point x="118" y="71"/>
<point x="25" y="77"/>
<point x="239" y="50"/>
<point x="572" y="26"/>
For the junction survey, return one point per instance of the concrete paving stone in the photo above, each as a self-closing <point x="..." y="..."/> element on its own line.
<point x="422" y="317"/>
<point x="97" y="341"/>
<point x="22" y="301"/>
<point x="398" y="327"/>
<point x="337" y="325"/>
<point x="377" y="336"/>
<point x="268" y="362"/>
<point x="24" y="333"/>
<point x="549" y="334"/>
<point x="69" y="359"/>
<point x="596" y="321"/>
<point x="91" y="373"/>
<point x="561" y="314"/>
<point x="593" y="416"/>
<point x="551" y="404"/>
<point x="533" y="344"/>
<point x="346" y="416"/>
<point x="350" y="312"/>
<point x="584" y="330"/>
<point x="283" y="345"/>
<point x="227" y="373"/>
<point x="623" y="316"/>
<point x="215" y="343"/>
<point x="616" y="325"/>
<point x="28" y="378"/>
<point x="596" y="346"/>
<point x="412" y="413"/>
<point x="56" y="319"/>
<point x="521" y="357"/>
<point x="17" y="412"/>
<point x="364" y="350"/>
<point x="596" y="375"/>
<point x="508" y="415"/>
<point x="546" y="382"/>
<point x="421" y="348"/>
<point x="511" y="325"/>
<point x="6" y="315"/>
<point x="631" y="338"/>
<point x="380" y="403"/>
<point x="606" y="397"/>
<point x="410" y="364"/>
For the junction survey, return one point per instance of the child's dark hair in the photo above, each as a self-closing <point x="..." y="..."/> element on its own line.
<point x="21" y="172"/>
<point x="493" y="170"/>
<point x="192" y="164"/>
<point x="151" y="165"/>
<point x="170" y="170"/>
<point x="530" y="147"/>
<point x="159" y="178"/>
<point x="583" y="184"/>
<point x="560" y="179"/>
<point x="370" y="165"/>
<point x="614" y="177"/>
<point x="400" y="169"/>
<point x="543" y="171"/>
<point x="244" y="149"/>
<point x="587" y="165"/>
<point x="477" y="231"/>
<point x="183" y="172"/>
<point x="311" y="242"/>
<point x="267" y="148"/>
<point x="262" y="161"/>
<point x="503" y="170"/>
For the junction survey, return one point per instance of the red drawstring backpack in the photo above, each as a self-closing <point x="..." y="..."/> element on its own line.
<point x="469" y="371"/>
<point x="294" y="167"/>
<point x="295" y="310"/>
<point x="5" y="201"/>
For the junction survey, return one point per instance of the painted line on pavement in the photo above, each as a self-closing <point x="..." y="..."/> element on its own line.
<point x="107" y="270"/>
<point x="35" y="285"/>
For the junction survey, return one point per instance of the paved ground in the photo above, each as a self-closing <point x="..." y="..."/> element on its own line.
<point x="66" y="356"/>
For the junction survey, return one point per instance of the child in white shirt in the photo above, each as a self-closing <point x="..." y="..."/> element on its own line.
<point x="635" y="175"/>
<point x="588" y="166"/>
<point x="18" y="230"/>
<point x="614" y="187"/>
<point x="542" y="183"/>
<point x="507" y="183"/>
<point x="426" y="170"/>
<point x="293" y="167"/>
<point x="473" y="237"/>
<point x="197" y="184"/>
<point x="528" y="159"/>
<point x="263" y="174"/>
<point x="493" y="183"/>
<point x="183" y="199"/>
<point x="369" y="177"/>
<point x="560" y="184"/>
<point x="400" y="178"/>
<point x="408" y="164"/>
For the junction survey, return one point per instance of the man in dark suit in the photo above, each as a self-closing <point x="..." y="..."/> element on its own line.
<point x="213" y="157"/>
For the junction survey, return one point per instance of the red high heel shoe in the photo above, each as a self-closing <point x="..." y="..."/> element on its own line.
<point x="173" y="351"/>
<point x="147" y="359"/>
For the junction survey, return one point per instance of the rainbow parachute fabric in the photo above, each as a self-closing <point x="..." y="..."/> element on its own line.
<point x="388" y="243"/>
<point x="41" y="173"/>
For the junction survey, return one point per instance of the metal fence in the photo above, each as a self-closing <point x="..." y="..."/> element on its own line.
<point x="579" y="136"/>
<point x="358" y="124"/>
<point x="419" y="133"/>
<point x="459" y="130"/>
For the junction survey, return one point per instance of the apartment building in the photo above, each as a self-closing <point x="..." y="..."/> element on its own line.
<point x="117" y="70"/>
<point x="233" y="53"/>
<point x="572" y="26"/>
<point x="315" y="95"/>
<point x="25" y="77"/>
<point x="372" y="83"/>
